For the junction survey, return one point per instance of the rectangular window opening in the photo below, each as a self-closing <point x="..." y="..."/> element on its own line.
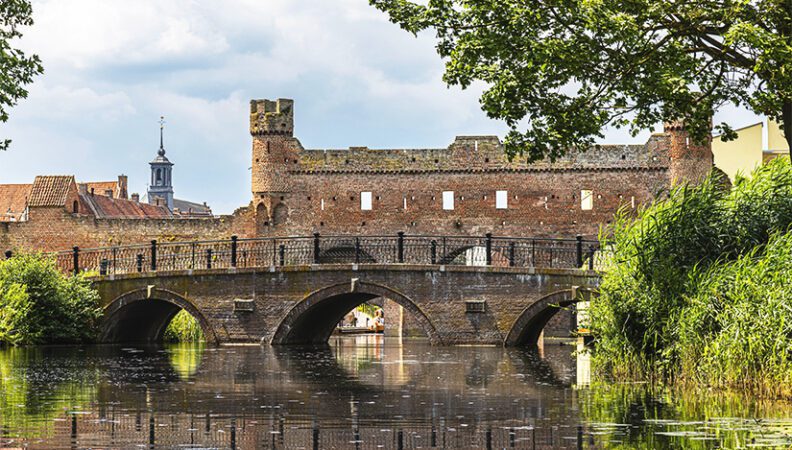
<point x="365" y="201"/>
<point x="448" y="200"/>
<point x="501" y="200"/>
<point x="586" y="200"/>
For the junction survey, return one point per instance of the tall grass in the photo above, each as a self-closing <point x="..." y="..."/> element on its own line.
<point x="697" y="280"/>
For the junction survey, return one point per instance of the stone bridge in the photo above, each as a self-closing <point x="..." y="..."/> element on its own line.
<point x="297" y="290"/>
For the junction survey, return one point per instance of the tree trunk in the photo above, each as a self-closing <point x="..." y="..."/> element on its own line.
<point x="786" y="123"/>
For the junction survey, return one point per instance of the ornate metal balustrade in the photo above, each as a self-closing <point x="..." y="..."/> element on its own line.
<point x="488" y="250"/>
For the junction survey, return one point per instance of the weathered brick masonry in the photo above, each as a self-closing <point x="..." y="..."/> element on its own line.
<point x="303" y="304"/>
<point x="363" y="191"/>
<point x="298" y="191"/>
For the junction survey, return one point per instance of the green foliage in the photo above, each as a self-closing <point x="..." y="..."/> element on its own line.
<point x="571" y="67"/>
<point x="16" y="69"/>
<point x="184" y="328"/>
<point x="39" y="305"/>
<point x="698" y="286"/>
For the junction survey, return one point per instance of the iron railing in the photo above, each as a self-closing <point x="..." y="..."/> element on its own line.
<point x="488" y="250"/>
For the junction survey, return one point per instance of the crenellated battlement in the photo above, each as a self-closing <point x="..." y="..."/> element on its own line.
<point x="272" y="117"/>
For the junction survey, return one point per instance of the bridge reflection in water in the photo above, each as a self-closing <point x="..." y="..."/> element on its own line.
<point x="360" y="392"/>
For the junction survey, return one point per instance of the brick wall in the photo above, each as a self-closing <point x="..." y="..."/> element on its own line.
<point x="298" y="191"/>
<point x="53" y="228"/>
<point x="539" y="203"/>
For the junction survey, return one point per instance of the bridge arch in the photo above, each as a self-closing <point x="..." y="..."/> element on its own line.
<point x="529" y="325"/>
<point x="313" y="319"/>
<point x="144" y="314"/>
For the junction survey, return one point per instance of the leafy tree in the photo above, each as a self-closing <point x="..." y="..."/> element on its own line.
<point x="16" y="68"/>
<point x="39" y="305"/>
<point x="571" y="67"/>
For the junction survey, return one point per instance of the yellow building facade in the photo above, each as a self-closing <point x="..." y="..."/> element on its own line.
<point x="755" y="145"/>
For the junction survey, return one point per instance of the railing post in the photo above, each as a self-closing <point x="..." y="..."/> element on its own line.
<point x="533" y="253"/>
<point x="233" y="251"/>
<point x="76" y="257"/>
<point x="208" y="258"/>
<point x="139" y="263"/>
<point x="357" y="250"/>
<point x="511" y="254"/>
<point x="115" y="259"/>
<point x="591" y="257"/>
<point x="154" y="255"/>
<point x="282" y="254"/>
<point x="400" y="247"/>
<point x="316" y="248"/>
<point x="433" y="252"/>
<point x="489" y="248"/>
<point x="579" y="251"/>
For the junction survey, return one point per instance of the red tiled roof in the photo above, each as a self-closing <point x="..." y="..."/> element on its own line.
<point x="100" y="187"/>
<point x="106" y="207"/>
<point x="50" y="190"/>
<point x="13" y="201"/>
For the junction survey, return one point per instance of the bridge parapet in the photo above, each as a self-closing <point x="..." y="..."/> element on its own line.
<point x="487" y="251"/>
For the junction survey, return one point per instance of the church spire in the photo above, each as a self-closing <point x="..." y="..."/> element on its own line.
<point x="161" y="151"/>
<point x="161" y="187"/>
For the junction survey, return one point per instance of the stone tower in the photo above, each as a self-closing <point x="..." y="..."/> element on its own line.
<point x="274" y="150"/>
<point x="161" y="186"/>
<point x="689" y="161"/>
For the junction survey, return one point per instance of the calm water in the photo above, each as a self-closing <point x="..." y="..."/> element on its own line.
<point x="360" y="392"/>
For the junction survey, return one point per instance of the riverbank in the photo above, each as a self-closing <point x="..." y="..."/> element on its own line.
<point x="698" y="288"/>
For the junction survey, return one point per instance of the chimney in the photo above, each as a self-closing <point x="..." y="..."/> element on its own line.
<point x="92" y="191"/>
<point x="136" y="197"/>
<point x="122" y="186"/>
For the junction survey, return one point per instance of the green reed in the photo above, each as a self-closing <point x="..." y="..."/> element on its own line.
<point x="697" y="289"/>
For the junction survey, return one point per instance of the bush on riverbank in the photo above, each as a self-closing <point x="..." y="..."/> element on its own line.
<point x="184" y="328"/>
<point x="697" y="288"/>
<point x="39" y="305"/>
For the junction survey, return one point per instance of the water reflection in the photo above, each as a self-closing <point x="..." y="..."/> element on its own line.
<point x="360" y="392"/>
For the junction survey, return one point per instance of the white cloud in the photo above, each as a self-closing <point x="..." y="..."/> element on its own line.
<point x="65" y="103"/>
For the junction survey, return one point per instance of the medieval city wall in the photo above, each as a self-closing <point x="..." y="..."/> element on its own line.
<point x="52" y="229"/>
<point x="539" y="202"/>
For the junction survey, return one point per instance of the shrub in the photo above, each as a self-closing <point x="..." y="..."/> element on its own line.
<point x="39" y="305"/>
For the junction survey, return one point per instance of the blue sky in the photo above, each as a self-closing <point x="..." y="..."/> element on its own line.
<point x="114" y="66"/>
